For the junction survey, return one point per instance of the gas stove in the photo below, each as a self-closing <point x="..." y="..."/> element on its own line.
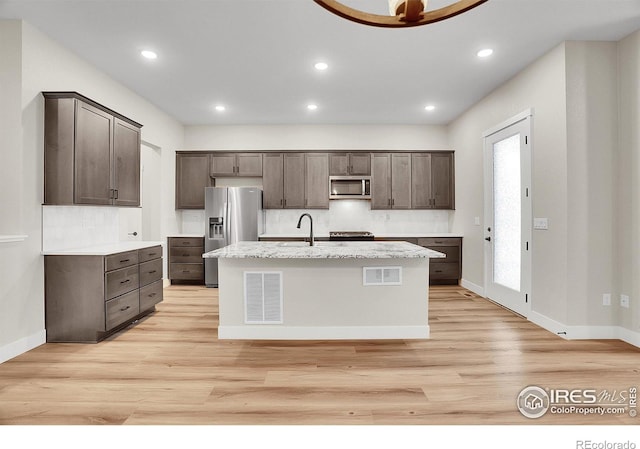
<point x="350" y="235"/>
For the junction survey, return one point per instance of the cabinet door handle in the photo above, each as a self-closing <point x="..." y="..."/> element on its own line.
<point x="185" y="255"/>
<point x="125" y="260"/>
<point x="152" y="295"/>
<point x="151" y="254"/>
<point x="185" y="271"/>
<point x="125" y="281"/>
<point x="125" y="308"/>
<point x="438" y="271"/>
<point x="116" y="196"/>
<point x="151" y="272"/>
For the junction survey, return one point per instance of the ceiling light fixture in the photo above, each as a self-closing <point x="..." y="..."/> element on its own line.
<point x="312" y="107"/>
<point x="220" y="108"/>
<point x="149" y="54"/>
<point x="484" y="53"/>
<point x="321" y="66"/>
<point x="429" y="107"/>
<point x="403" y="13"/>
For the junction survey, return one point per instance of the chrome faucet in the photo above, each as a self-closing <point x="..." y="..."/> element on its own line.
<point x="310" y="229"/>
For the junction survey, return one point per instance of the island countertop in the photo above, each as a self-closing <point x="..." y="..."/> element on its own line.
<point x="323" y="250"/>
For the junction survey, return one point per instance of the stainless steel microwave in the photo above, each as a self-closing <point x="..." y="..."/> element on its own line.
<point x="350" y="187"/>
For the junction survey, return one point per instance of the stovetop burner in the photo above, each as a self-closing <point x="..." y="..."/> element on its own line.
<point x="350" y="235"/>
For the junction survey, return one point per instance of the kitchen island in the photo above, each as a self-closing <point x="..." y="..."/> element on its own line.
<point x="332" y="290"/>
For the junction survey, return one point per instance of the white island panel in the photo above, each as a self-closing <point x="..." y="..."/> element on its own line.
<point x="324" y="296"/>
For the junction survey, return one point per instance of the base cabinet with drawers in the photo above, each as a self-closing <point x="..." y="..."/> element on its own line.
<point x="442" y="271"/>
<point x="186" y="265"/>
<point x="89" y="297"/>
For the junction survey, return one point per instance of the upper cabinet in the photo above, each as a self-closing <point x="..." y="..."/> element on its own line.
<point x="295" y="181"/>
<point x="316" y="187"/>
<point x="391" y="181"/>
<point x="92" y="154"/>
<point x="345" y="164"/>
<point x="432" y="180"/>
<point x="236" y="164"/>
<point x="192" y="176"/>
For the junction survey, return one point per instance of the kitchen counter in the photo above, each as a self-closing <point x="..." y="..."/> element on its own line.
<point x="102" y="250"/>
<point x="382" y="235"/>
<point x="333" y="290"/>
<point x="323" y="250"/>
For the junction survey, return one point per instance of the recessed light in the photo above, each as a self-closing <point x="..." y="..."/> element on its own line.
<point x="321" y="66"/>
<point x="220" y="108"/>
<point x="149" y="54"/>
<point x="485" y="52"/>
<point x="429" y="107"/>
<point x="312" y="107"/>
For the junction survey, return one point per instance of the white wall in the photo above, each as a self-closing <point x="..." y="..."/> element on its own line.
<point x="541" y="86"/>
<point x="46" y="66"/>
<point x="627" y="193"/>
<point x="592" y="143"/>
<point x="316" y="137"/>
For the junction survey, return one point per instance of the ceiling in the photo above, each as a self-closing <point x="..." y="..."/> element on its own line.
<point x="257" y="57"/>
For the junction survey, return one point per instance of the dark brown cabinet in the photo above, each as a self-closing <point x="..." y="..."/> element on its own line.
<point x="192" y="176"/>
<point x="449" y="269"/>
<point x="346" y="164"/>
<point x="432" y="180"/>
<point x="236" y="164"/>
<point x="391" y="181"/>
<point x="186" y="264"/>
<point x="92" y="154"/>
<point x="89" y="297"/>
<point x="316" y="181"/>
<point x="283" y="181"/>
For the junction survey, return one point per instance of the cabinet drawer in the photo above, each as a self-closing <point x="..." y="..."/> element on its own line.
<point x="147" y="254"/>
<point x="186" y="271"/>
<point x="178" y="242"/>
<point x="186" y="255"/>
<point x="121" y="309"/>
<point x="452" y="253"/>
<point x="444" y="270"/>
<point x="150" y="271"/>
<point x="121" y="260"/>
<point x="438" y="241"/>
<point x="121" y="281"/>
<point x="150" y="295"/>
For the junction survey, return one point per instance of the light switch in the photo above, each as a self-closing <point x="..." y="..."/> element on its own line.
<point x="541" y="223"/>
<point x="476" y="221"/>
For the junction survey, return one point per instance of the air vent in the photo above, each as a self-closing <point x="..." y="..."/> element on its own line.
<point x="263" y="297"/>
<point x="382" y="275"/>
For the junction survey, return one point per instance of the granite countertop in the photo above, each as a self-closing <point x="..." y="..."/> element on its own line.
<point x="323" y="250"/>
<point x="381" y="235"/>
<point x="102" y="250"/>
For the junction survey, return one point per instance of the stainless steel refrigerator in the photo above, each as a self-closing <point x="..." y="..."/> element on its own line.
<point x="232" y="214"/>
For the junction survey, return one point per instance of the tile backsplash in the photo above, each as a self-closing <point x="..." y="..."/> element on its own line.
<point x="343" y="215"/>
<point x="66" y="227"/>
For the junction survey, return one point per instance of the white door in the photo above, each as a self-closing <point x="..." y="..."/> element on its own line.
<point x="507" y="215"/>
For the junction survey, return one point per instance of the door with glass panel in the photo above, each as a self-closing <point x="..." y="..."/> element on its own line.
<point x="507" y="223"/>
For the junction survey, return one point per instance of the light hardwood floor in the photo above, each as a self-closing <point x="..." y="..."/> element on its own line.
<point x="170" y="369"/>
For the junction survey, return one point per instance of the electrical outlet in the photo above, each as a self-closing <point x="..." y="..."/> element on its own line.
<point x="606" y="299"/>
<point x="624" y="301"/>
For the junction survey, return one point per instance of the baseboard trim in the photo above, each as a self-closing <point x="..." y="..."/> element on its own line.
<point x="475" y="288"/>
<point x="585" y="332"/>
<point x="23" y="345"/>
<point x="261" y="332"/>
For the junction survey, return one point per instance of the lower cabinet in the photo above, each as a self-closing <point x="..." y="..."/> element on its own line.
<point x="448" y="270"/>
<point x="442" y="271"/>
<point x="89" y="297"/>
<point x="186" y="265"/>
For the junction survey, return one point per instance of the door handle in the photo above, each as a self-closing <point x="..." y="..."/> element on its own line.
<point x="488" y="239"/>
